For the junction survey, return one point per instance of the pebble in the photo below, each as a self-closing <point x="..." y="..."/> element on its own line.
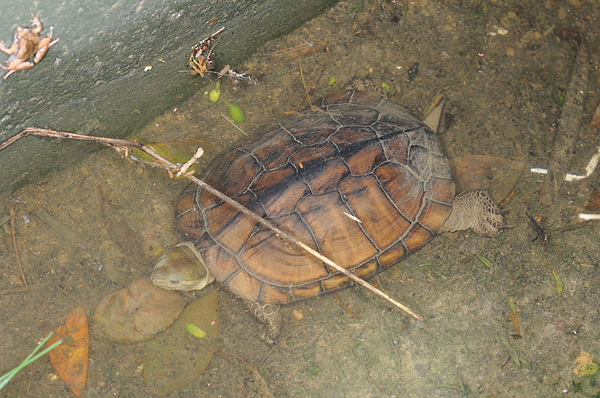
<point x="562" y="13"/>
<point x="297" y="314"/>
<point x="510" y="52"/>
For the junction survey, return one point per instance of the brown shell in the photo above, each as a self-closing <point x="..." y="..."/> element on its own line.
<point x="360" y="157"/>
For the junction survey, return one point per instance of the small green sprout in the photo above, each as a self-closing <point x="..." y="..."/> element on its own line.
<point x="215" y="93"/>
<point x="195" y="330"/>
<point x="235" y="112"/>
<point x="484" y="261"/>
<point x="386" y="88"/>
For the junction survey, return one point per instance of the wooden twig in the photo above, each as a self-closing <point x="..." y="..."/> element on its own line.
<point x="303" y="82"/>
<point x="190" y="163"/>
<point x="338" y="299"/>
<point x="289" y="50"/>
<point x="302" y="50"/>
<point x="15" y="290"/>
<point x="120" y="144"/>
<point x="541" y="234"/>
<point x="14" y="241"/>
<point x="306" y="248"/>
<point x="568" y="129"/>
<point x="234" y="125"/>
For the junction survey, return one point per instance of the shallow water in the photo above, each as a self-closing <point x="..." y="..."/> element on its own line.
<point x="504" y="97"/>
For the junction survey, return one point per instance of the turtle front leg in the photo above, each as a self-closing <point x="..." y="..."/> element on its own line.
<point x="269" y="315"/>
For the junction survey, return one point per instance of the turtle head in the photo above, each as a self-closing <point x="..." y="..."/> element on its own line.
<point x="181" y="268"/>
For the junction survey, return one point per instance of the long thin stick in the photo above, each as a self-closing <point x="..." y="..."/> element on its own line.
<point x="565" y="139"/>
<point x="306" y="248"/>
<point x="120" y="144"/>
<point x="303" y="82"/>
<point x="14" y="240"/>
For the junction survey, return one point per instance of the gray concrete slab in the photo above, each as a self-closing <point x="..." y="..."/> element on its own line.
<point x="94" y="80"/>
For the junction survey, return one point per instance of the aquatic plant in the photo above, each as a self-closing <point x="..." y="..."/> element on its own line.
<point x="5" y="378"/>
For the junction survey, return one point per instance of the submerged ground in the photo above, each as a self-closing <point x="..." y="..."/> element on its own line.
<point x="504" y="73"/>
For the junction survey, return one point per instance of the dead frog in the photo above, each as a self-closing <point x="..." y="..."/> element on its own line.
<point x="26" y="43"/>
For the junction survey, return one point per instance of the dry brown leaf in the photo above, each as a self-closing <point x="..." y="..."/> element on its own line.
<point x="594" y="203"/>
<point x="175" y="358"/>
<point x="70" y="359"/>
<point x="497" y="175"/>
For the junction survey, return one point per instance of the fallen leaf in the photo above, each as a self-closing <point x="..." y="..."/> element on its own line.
<point x="138" y="312"/>
<point x="175" y="358"/>
<point x="497" y="175"/>
<point x="70" y="359"/>
<point x="594" y="203"/>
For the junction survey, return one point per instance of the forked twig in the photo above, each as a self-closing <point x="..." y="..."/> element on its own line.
<point x="120" y="144"/>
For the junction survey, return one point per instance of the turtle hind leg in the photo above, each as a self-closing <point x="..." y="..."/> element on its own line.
<point x="475" y="210"/>
<point x="269" y="315"/>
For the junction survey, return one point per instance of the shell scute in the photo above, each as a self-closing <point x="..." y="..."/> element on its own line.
<point x="326" y="178"/>
<point x="379" y="219"/>
<point x="327" y="217"/>
<point x="404" y="188"/>
<point x="361" y="181"/>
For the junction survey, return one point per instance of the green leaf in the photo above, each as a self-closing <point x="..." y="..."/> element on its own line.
<point x="215" y="93"/>
<point x="559" y="284"/>
<point x="236" y="113"/>
<point x="195" y="330"/>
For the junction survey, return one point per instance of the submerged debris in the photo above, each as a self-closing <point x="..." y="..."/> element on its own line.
<point x="201" y="57"/>
<point x="541" y="234"/>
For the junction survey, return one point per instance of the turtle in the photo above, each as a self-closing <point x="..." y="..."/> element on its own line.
<point x="356" y="177"/>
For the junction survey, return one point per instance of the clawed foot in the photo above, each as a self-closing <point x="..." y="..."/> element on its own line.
<point x="269" y="315"/>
